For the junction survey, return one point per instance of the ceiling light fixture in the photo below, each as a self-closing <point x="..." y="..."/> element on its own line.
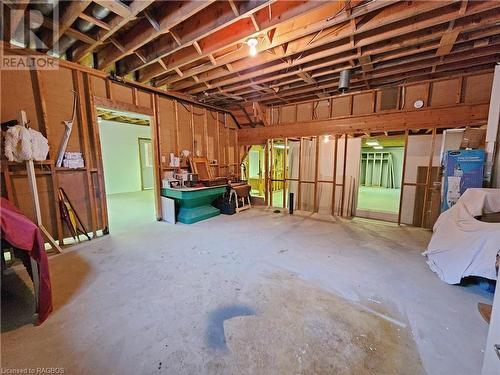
<point x="378" y="147"/>
<point x="326" y="139"/>
<point x="252" y="43"/>
<point x="372" y="142"/>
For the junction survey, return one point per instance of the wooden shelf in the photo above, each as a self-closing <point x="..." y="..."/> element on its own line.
<point x="63" y="169"/>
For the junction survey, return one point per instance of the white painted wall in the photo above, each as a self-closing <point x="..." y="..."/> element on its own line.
<point x="120" y="155"/>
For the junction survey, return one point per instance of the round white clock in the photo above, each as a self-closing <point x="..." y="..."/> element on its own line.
<point x="418" y="104"/>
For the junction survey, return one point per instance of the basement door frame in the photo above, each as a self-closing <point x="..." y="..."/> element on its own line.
<point x="134" y="109"/>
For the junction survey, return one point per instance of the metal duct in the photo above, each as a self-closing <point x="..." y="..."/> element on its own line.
<point x="98" y="12"/>
<point x="345" y="76"/>
<point x="45" y="6"/>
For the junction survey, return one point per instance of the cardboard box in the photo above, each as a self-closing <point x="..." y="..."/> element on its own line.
<point x="462" y="169"/>
<point x="473" y="138"/>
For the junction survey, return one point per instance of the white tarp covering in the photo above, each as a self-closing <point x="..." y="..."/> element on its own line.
<point x="462" y="245"/>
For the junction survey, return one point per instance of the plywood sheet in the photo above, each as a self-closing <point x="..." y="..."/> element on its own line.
<point x="341" y="106"/>
<point x="304" y="111"/>
<point x="144" y="99"/>
<point x="74" y="184"/>
<point x="288" y="114"/>
<point x="98" y="86"/>
<point x="199" y="132"/>
<point x="23" y="200"/>
<point x="362" y="104"/>
<point x="212" y="153"/>
<point x="121" y="93"/>
<point x="445" y="92"/>
<point x="59" y="88"/>
<point x="223" y="146"/>
<point x="185" y="131"/>
<point x="478" y="88"/>
<point x="321" y="110"/>
<point x="166" y="112"/>
<point x="413" y="93"/>
<point x="16" y="94"/>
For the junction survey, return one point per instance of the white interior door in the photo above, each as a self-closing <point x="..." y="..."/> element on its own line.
<point x="146" y="158"/>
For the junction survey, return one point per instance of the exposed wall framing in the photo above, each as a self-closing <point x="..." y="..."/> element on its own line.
<point x="46" y="95"/>
<point x="448" y="102"/>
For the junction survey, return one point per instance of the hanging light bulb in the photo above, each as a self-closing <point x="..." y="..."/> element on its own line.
<point x="326" y="139"/>
<point x="252" y="43"/>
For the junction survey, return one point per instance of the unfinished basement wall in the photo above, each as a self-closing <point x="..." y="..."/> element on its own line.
<point x="472" y="88"/>
<point x="47" y="97"/>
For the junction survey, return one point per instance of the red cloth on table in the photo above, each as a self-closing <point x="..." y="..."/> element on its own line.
<point x="23" y="234"/>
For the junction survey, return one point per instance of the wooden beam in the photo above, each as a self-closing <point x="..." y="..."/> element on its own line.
<point x="103" y="25"/>
<point x="303" y="41"/>
<point x="438" y="117"/>
<point x="237" y="33"/>
<point x="116" y="7"/>
<point x="70" y="14"/>
<point x="152" y="21"/>
<point x="142" y="32"/>
<point x="304" y="44"/>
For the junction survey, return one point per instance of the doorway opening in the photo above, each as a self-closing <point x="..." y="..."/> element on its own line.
<point x="127" y="156"/>
<point x="381" y="166"/>
<point x="253" y="170"/>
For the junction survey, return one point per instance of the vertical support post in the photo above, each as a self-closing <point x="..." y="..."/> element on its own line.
<point x="97" y="140"/>
<point x="217" y="132"/>
<point x="316" y="172"/>
<point x="403" y="173"/>
<point x="193" y="137"/>
<point x="335" y="150"/>
<point x="285" y="174"/>
<point x="299" y="183"/>
<point x="271" y="171"/>
<point x="84" y="131"/>
<point x="40" y="94"/>
<point x="266" y="173"/>
<point x="343" y="175"/>
<point x="176" y="109"/>
<point x="157" y="168"/>
<point x="428" y="176"/>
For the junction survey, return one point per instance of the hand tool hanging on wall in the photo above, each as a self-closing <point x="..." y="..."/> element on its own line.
<point x="67" y="132"/>
<point x="70" y="217"/>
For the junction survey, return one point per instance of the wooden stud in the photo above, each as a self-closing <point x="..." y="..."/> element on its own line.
<point x="299" y="188"/>
<point x="84" y="128"/>
<point x="335" y="155"/>
<point x="177" y="150"/>
<point x="405" y="153"/>
<point x="316" y="173"/>
<point x="97" y="144"/>
<point x="155" y="140"/>
<point x="218" y="145"/>
<point x="343" y="175"/>
<point x="285" y="172"/>
<point x="40" y="95"/>
<point x="428" y="176"/>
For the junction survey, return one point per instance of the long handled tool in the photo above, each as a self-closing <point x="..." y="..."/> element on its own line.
<point x="67" y="133"/>
<point x="70" y="217"/>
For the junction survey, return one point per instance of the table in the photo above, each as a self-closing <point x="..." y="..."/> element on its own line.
<point x="21" y="233"/>
<point x="194" y="204"/>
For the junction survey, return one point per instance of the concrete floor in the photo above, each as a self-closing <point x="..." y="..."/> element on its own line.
<point x="254" y="293"/>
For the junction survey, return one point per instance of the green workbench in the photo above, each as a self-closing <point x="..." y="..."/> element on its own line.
<point x="194" y="204"/>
